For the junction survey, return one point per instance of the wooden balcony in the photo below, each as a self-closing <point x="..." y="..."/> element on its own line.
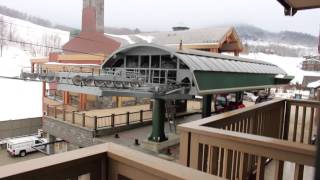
<point x="272" y="140"/>
<point x="101" y="162"/>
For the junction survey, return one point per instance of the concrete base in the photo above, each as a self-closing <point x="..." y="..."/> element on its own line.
<point x="173" y="139"/>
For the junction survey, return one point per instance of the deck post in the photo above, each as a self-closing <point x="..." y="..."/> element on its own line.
<point x="73" y="117"/>
<point x="141" y="116"/>
<point x="128" y="118"/>
<point x="95" y="122"/>
<point x="48" y="109"/>
<point x="55" y="112"/>
<point x="112" y="120"/>
<point x="83" y="119"/>
<point x="64" y="115"/>
<point x="158" y="117"/>
<point x="206" y="106"/>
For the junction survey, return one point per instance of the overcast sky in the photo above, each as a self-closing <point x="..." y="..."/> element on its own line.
<point x="149" y="15"/>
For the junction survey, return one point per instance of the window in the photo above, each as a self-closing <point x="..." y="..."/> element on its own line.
<point x="145" y="61"/>
<point x="38" y="142"/>
<point x="119" y="63"/>
<point x="168" y="63"/>
<point x="132" y="61"/>
<point x="183" y="65"/>
<point x="155" y="61"/>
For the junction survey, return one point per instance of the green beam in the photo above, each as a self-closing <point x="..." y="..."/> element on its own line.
<point x="208" y="80"/>
<point x="206" y="106"/>
<point x="158" y="118"/>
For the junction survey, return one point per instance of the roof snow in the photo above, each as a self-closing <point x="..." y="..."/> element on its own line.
<point x="148" y="39"/>
<point x="315" y="84"/>
<point x="124" y="39"/>
<point x="210" y="35"/>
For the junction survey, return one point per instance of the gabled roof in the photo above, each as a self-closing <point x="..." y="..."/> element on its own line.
<point x="91" y="43"/>
<point x="193" y="36"/>
<point x="204" y="36"/>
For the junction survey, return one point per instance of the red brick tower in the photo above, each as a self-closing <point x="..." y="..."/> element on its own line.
<point x="91" y="39"/>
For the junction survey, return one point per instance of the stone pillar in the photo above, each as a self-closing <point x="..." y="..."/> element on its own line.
<point x="158" y="118"/>
<point x="50" y="147"/>
<point x="206" y="106"/>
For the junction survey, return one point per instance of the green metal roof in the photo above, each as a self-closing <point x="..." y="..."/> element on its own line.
<point x="214" y="73"/>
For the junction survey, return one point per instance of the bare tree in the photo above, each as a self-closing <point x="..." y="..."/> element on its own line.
<point x="50" y="43"/>
<point x="12" y="32"/>
<point x="3" y="32"/>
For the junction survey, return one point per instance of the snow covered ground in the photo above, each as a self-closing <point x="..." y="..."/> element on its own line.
<point x="18" y="99"/>
<point x="32" y="33"/>
<point x="21" y="99"/>
<point x="291" y="65"/>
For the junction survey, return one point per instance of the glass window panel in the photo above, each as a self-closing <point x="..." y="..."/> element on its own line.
<point x="132" y="61"/>
<point x="145" y="61"/>
<point x="168" y="63"/>
<point x="155" y="61"/>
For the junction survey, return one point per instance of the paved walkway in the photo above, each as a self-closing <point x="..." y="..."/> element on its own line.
<point x="6" y="159"/>
<point x="127" y="138"/>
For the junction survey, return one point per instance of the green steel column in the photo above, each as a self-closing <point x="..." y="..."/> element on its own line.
<point x="158" y="118"/>
<point x="206" y="106"/>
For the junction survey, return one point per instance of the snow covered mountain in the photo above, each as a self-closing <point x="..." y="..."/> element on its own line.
<point x="285" y="43"/>
<point x="292" y="65"/>
<point x="20" y="41"/>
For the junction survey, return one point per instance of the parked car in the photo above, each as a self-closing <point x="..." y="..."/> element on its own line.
<point x="228" y="102"/>
<point x="24" y="145"/>
<point x="248" y="96"/>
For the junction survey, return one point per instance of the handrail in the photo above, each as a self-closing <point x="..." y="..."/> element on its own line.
<point x="237" y="143"/>
<point x="281" y="150"/>
<point x="232" y="113"/>
<point x="144" y="165"/>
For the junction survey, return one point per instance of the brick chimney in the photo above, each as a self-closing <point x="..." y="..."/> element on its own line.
<point x="93" y="16"/>
<point x="92" y="39"/>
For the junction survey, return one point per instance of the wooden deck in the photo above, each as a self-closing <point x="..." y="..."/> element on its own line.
<point x="236" y="144"/>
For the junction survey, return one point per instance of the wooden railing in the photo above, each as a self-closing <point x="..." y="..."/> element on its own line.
<point x="95" y="122"/>
<point x="238" y="144"/>
<point x="115" y="120"/>
<point x="101" y="162"/>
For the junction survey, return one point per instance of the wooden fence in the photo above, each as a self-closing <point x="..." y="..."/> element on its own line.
<point x="95" y="122"/>
<point x="238" y="144"/>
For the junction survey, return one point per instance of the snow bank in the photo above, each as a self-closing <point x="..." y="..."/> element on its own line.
<point x="291" y="65"/>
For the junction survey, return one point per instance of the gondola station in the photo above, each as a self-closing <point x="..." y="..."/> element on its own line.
<point x="166" y="74"/>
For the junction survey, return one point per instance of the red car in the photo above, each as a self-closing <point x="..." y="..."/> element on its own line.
<point x="228" y="102"/>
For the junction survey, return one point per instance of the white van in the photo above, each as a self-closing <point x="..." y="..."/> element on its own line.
<point x="23" y="145"/>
